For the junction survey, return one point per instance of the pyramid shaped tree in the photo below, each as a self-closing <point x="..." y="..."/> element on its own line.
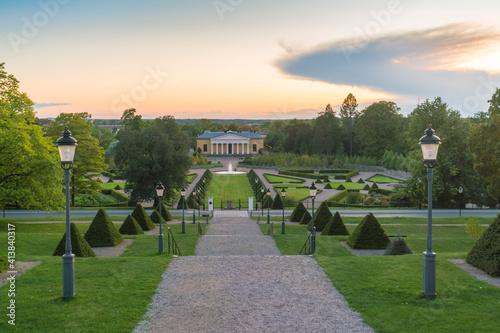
<point x="298" y="212"/>
<point x="102" y="232"/>
<point x="335" y="226"/>
<point x="306" y="218"/>
<point x="79" y="246"/>
<point x="155" y="217"/>
<point x="485" y="255"/>
<point x="321" y="217"/>
<point x="277" y="202"/>
<point x="139" y="214"/>
<point x="268" y="201"/>
<point x="165" y="213"/>
<point x="130" y="227"/>
<point x="368" y="235"/>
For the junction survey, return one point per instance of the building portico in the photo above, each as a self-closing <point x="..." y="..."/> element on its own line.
<point x="230" y="143"/>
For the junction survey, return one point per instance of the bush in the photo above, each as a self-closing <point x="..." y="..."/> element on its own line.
<point x="79" y="246"/>
<point x="181" y="202"/>
<point x="321" y="217"/>
<point x="354" y="197"/>
<point x="130" y="227"/>
<point x="277" y="202"/>
<point x="397" y="247"/>
<point x="339" y="196"/>
<point x="102" y="232"/>
<point x="360" y="181"/>
<point x="306" y="218"/>
<point x="374" y="186"/>
<point x="335" y="226"/>
<point x="3" y="262"/>
<point x="318" y="181"/>
<point x="119" y="196"/>
<point x="111" y="180"/>
<point x="485" y="255"/>
<point x="328" y="187"/>
<point x="298" y="212"/>
<point x="340" y="187"/>
<point x="139" y="214"/>
<point x="165" y="213"/>
<point x="368" y="235"/>
<point x="348" y="180"/>
<point x="155" y="217"/>
<point x="367" y="187"/>
<point x="118" y="187"/>
<point x="268" y="201"/>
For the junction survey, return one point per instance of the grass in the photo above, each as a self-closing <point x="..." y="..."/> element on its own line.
<point x="282" y="179"/>
<point x="384" y="179"/>
<point x="112" y="294"/>
<point x="298" y="193"/>
<point x="190" y="177"/>
<point x="110" y="186"/>
<point x="387" y="290"/>
<point x="347" y="185"/>
<point x="229" y="187"/>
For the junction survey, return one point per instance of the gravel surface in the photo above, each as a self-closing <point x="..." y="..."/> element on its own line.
<point x="112" y="251"/>
<point x="239" y="282"/>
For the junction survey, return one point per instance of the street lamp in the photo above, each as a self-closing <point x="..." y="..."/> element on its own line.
<point x="194" y="205"/>
<point x="262" y="201"/>
<point x="312" y="192"/>
<point x="460" y="190"/>
<point x="268" y="197"/>
<point x="203" y="180"/>
<point x="283" y="193"/>
<point x="159" y="194"/>
<point x="256" y="181"/>
<point x="183" y="195"/>
<point x="67" y="147"/>
<point x="430" y="145"/>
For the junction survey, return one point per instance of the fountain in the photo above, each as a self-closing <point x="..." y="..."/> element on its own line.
<point x="230" y="171"/>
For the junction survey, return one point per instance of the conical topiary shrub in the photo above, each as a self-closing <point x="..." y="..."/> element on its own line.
<point x="374" y="186"/>
<point x="328" y="186"/>
<point x="335" y="226"/>
<point x="155" y="217"/>
<point x="277" y="202"/>
<point x="298" y="212"/>
<point x="306" y="218"/>
<point x="102" y="232"/>
<point x="180" y="204"/>
<point x="268" y="201"/>
<point x="368" y="235"/>
<point x="321" y="217"/>
<point x="485" y="255"/>
<point x="397" y="247"/>
<point x="319" y="181"/>
<point x="79" y="246"/>
<point x="348" y="180"/>
<point x="367" y="187"/>
<point x="165" y="213"/>
<point x="139" y="214"/>
<point x="360" y="181"/>
<point x="118" y="187"/>
<point x="341" y="187"/>
<point x="130" y="227"/>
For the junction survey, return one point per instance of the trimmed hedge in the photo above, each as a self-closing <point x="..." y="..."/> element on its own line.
<point x="139" y="214"/>
<point x="130" y="227"/>
<point x="79" y="246"/>
<point x="155" y="217"/>
<point x="321" y="217"/>
<point x="306" y="218"/>
<point x="102" y="232"/>
<point x="368" y="235"/>
<point x="298" y="212"/>
<point x="310" y="175"/>
<point x="268" y="201"/>
<point x="360" y="181"/>
<point x="485" y="254"/>
<point x="328" y="186"/>
<point x="340" y="187"/>
<point x="165" y="213"/>
<point x="335" y="171"/>
<point x="277" y="202"/>
<point x="335" y="227"/>
<point x="339" y="196"/>
<point x="397" y="247"/>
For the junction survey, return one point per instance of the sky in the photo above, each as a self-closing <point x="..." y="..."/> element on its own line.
<point x="273" y="59"/>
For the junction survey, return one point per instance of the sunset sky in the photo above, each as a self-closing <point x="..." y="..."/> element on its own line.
<point x="274" y="59"/>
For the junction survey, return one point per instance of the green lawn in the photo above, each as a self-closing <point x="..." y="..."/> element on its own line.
<point x="282" y="179"/>
<point x="112" y="294"/>
<point x="384" y="179"/>
<point x="229" y="187"/>
<point x="190" y="177"/>
<point x="299" y="193"/>
<point x="347" y="185"/>
<point x="110" y="186"/>
<point x="387" y="290"/>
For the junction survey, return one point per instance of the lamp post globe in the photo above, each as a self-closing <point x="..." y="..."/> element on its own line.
<point x="312" y="191"/>
<point x="268" y="198"/>
<point x="67" y="147"/>
<point x="430" y="145"/>
<point x="183" y="196"/>
<point x="283" y="194"/>
<point x="159" y="193"/>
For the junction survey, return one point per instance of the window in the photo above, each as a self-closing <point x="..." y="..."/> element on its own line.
<point x="205" y="148"/>
<point x="254" y="147"/>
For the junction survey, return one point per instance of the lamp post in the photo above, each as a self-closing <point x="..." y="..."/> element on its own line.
<point x="283" y="193"/>
<point x="460" y="190"/>
<point x="262" y="201"/>
<point x="203" y="180"/>
<point x="268" y="197"/>
<point x="183" y="195"/>
<point x="159" y="194"/>
<point x="256" y="181"/>
<point x="67" y="147"/>
<point x="430" y="145"/>
<point x="312" y="191"/>
<point x="194" y="205"/>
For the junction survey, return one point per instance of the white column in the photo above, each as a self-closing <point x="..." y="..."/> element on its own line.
<point x="217" y="149"/>
<point x="248" y="147"/>
<point x="237" y="148"/>
<point x="211" y="148"/>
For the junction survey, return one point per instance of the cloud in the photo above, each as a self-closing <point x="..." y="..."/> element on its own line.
<point x="45" y="105"/>
<point x="422" y="64"/>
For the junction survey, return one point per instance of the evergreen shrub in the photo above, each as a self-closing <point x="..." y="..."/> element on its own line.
<point x="3" y="262"/>
<point x="277" y="202"/>
<point x="340" y="187"/>
<point x="328" y="186"/>
<point x="118" y="187"/>
<point x="139" y="214"/>
<point x="79" y="246"/>
<point x="335" y="227"/>
<point x="368" y="235"/>
<point x="298" y="212"/>
<point x="165" y="213"/>
<point x="485" y="254"/>
<point x="130" y="227"/>
<point x="397" y="247"/>
<point x="360" y="181"/>
<point x="348" y="180"/>
<point x="306" y="218"/>
<point x="321" y="217"/>
<point x="102" y="232"/>
<point x="155" y="217"/>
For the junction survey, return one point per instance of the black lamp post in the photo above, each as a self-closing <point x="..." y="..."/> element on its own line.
<point x="312" y="191"/>
<point x="67" y="147"/>
<point x="194" y="205"/>
<point x="430" y="145"/>
<point x="262" y="201"/>
<point x="283" y="193"/>
<point x="159" y="194"/>
<point x="268" y="197"/>
<point x="183" y="195"/>
<point x="203" y="180"/>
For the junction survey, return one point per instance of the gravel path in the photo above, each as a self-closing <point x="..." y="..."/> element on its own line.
<point x="239" y="282"/>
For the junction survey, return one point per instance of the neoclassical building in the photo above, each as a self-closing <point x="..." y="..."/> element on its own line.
<point x="230" y="143"/>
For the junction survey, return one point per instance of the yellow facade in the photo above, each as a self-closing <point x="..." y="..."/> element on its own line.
<point x="229" y="145"/>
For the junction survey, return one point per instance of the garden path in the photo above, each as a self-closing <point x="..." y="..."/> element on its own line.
<point x="239" y="282"/>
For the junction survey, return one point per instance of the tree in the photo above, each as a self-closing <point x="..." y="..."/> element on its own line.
<point x="377" y="129"/>
<point x="157" y="152"/>
<point x="348" y="111"/>
<point x="484" y="142"/>
<point x="326" y="131"/>
<point x="30" y="171"/>
<point x="89" y="156"/>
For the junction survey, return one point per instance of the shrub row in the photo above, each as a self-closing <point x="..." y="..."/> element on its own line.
<point x="335" y="171"/>
<point x="257" y="186"/>
<point x="200" y="196"/>
<point x="304" y="174"/>
<point x="339" y="196"/>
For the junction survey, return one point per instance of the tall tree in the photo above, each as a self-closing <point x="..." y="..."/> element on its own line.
<point x="157" y="152"/>
<point x="348" y="111"/>
<point x="377" y="129"/>
<point x="484" y="142"/>
<point x="30" y="171"/>
<point x="326" y="131"/>
<point x="89" y="156"/>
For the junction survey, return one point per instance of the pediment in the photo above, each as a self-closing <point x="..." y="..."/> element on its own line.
<point x="230" y="137"/>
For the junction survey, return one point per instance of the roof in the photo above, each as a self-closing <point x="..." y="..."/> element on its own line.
<point x="211" y="135"/>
